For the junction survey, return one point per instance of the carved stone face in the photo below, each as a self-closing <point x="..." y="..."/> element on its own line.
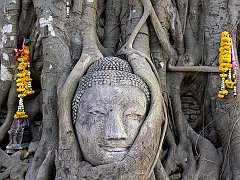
<point x="108" y="121"/>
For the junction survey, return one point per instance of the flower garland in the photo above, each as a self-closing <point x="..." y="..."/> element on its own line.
<point x="23" y="81"/>
<point x="234" y="66"/>
<point x="227" y="63"/>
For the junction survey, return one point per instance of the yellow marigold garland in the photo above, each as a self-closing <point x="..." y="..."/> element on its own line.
<point x="227" y="62"/>
<point x="23" y="81"/>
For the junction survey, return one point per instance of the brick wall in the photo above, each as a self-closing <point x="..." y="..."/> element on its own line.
<point x="191" y="109"/>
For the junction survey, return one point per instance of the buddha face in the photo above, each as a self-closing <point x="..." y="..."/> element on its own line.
<point x="108" y="121"/>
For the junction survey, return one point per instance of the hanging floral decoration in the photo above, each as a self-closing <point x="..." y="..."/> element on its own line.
<point x="227" y="65"/>
<point x="234" y="67"/>
<point x="23" y="81"/>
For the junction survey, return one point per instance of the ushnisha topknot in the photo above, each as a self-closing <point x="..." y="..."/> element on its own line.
<point x="107" y="71"/>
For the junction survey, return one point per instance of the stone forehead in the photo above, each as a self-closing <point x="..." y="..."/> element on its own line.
<point x="110" y="63"/>
<point x="108" y="71"/>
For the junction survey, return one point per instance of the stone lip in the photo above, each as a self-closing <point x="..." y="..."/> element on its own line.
<point x="119" y="146"/>
<point x="114" y="149"/>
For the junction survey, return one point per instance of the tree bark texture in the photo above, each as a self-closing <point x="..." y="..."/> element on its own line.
<point x="174" y="43"/>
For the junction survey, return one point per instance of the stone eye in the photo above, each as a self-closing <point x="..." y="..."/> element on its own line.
<point x="97" y="113"/>
<point x="133" y="117"/>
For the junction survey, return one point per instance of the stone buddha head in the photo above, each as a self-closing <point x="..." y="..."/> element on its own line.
<point x="109" y="107"/>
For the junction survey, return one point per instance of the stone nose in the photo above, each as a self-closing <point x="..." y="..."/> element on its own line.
<point x="115" y="128"/>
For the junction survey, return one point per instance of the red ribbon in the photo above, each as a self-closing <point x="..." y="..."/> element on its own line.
<point x="21" y="51"/>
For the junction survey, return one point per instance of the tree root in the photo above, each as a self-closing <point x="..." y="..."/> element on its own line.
<point x="45" y="170"/>
<point x="5" y="159"/>
<point x="205" y="165"/>
<point x="68" y="156"/>
<point x="149" y="11"/>
<point x="138" y="60"/>
<point x="12" y="97"/>
<point x="143" y="67"/>
<point x="146" y="13"/>
<point x="112" y="22"/>
<point x="53" y="66"/>
<point x="18" y="171"/>
<point x="15" y="168"/>
<point x="183" y="10"/>
<point x="4" y="88"/>
<point x="8" y="64"/>
<point x="160" y="172"/>
<point x="162" y="37"/>
<point x="209" y="161"/>
<point x="204" y="69"/>
<point x="5" y="174"/>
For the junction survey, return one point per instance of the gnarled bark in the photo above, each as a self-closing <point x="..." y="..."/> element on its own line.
<point x="172" y="45"/>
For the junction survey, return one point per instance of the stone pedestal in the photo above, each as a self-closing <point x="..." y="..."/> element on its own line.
<point x="18" y="136"/>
